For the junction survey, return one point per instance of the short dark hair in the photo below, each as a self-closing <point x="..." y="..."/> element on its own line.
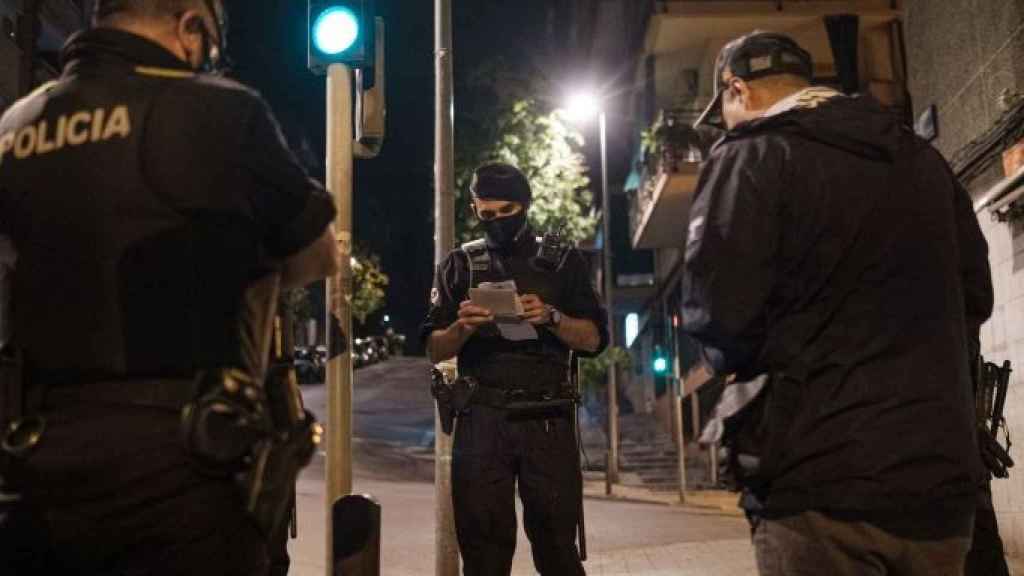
<point x="107" y="9"/>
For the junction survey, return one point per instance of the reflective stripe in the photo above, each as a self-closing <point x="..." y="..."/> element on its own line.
<point x="46" y="87"/>
<point x="164" y="72"/>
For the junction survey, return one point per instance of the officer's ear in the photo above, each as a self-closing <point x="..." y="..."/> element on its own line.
<point x="190" y="33"/>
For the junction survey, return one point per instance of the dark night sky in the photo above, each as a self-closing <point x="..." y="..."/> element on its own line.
<point x="394" y="192"/>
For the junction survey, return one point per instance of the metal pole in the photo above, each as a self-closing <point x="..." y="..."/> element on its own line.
<point x="677" y="428"/>
<point x="339" y="292"/>
<point x="612" y="470"/>
<point x="446" y="550"/>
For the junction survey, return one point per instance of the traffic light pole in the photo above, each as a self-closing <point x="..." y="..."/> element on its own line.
<point x="446" y="550"/>
<point x="339" y="293"/>
<point x="677" y="426"/>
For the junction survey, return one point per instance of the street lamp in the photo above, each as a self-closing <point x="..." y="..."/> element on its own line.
<point x="580" y="107"/>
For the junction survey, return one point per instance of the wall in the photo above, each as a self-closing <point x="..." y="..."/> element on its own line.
<point x="962" y="55"/>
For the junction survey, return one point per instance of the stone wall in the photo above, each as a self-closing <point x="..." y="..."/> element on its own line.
<point x="963" y="55"/>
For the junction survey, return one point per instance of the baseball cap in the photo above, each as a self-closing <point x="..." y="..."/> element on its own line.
<point x="753" y="56"/>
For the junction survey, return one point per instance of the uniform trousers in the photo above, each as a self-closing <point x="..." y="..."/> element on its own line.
<point x="110" y="491"/>
<point x="492" y="452"/>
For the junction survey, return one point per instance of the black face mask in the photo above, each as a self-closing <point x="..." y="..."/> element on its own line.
<point x="502" y="232"/>
<point x="214" y="57"/>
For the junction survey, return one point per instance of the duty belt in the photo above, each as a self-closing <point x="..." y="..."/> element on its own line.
<point x="517" y="399"/>
<point x="162" y="393"/>
<point x="528" y="374"/>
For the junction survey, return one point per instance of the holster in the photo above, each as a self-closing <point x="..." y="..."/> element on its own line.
<point x="442" y="393"/>
<point x="278" y="459"/>
<point x="996" y="458"/>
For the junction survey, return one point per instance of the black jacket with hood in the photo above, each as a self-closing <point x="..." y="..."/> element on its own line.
<point x="831" y="244"/>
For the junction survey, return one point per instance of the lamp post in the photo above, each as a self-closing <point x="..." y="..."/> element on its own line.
<point x="583" y="106"/>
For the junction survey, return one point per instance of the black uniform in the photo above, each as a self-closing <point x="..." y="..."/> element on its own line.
<point x="144" y="201"/>
<point x="493" y="448"/>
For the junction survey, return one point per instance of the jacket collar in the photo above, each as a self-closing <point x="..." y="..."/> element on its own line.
<point x="811" y="97"/>
<point x="109" y="47"/>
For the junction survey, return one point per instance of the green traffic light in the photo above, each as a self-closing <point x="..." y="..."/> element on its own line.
<point x="660" y="365"/>
<point x="335" y="30"/>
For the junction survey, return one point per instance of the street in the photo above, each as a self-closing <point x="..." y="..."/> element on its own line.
<point x="394" y="462"/>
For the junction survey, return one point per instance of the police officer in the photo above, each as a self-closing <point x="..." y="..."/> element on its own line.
<point x="145" y="200"/>
<point x="496" y="446"/>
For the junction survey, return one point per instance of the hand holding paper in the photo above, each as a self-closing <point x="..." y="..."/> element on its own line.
<point x="502" y="300"/>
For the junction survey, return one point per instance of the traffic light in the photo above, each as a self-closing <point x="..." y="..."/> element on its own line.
<point x="659" y="362"/>
<point x="342" y="32"/>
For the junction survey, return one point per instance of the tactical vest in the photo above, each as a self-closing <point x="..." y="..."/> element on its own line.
<point x="113" y="280"/>
<point x="498" y="362"/>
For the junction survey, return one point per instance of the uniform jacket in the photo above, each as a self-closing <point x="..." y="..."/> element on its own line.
<point x="830" y="244"/>
<point x="143" y="200"/>
<point x="570" y="289"/>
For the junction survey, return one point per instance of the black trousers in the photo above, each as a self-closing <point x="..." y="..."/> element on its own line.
<point x="987" y="556"/>
<point x="110" y="491"/>
<point x="492" y="451"/>
<point x="930" y="541"/>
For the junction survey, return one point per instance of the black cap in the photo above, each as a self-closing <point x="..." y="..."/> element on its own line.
<point x="753" y="56"/>
<point x="498" y="181"/>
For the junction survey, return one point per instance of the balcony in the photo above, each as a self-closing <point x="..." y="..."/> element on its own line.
<point x="660" y="204"/>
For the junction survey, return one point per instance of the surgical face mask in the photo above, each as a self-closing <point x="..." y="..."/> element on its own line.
<point x="502" y="232"/>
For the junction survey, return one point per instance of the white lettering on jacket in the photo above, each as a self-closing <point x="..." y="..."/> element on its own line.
<point x="70" y="130"/>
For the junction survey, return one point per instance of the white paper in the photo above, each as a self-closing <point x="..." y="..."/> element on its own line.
<point x="502" y="299"/>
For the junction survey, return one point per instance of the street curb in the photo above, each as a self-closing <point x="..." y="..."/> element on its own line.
<point x="716" y="502"/>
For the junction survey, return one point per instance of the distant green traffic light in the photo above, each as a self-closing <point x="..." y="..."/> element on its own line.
<point x="660" y="365"/>
<point x="335" y="30"/>
<point x="660" y="362"/>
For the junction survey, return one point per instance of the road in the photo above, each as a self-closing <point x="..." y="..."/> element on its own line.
<point x="393" y="428"/>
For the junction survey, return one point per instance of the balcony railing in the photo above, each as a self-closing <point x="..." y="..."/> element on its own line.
<point x="669" y="145"/>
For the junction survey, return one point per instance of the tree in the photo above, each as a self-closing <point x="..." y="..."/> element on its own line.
<point x="594" y="371"/>
<point x="368" y="284"/>
<point x="546" y="149"/>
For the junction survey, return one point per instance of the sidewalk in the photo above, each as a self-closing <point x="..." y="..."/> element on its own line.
<point x="626" y="537"/>
<point x="636" y="531"/>
<point x="707" y="501"/>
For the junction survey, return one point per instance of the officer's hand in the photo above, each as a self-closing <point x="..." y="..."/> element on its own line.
<point x="534" y="310"/>
<point x="472" y="316"/>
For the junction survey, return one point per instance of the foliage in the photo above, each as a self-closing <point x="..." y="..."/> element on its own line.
<point x="669" y="138"/>
<point x="546" y="149"/>
<point x="368" y="294"/>
<point x="594" y="371"/>
<point x="296" y="302"/>
<point x="368" y="284"/>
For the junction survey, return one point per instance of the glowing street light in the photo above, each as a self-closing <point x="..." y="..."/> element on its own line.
<point x="583" y="106"/>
